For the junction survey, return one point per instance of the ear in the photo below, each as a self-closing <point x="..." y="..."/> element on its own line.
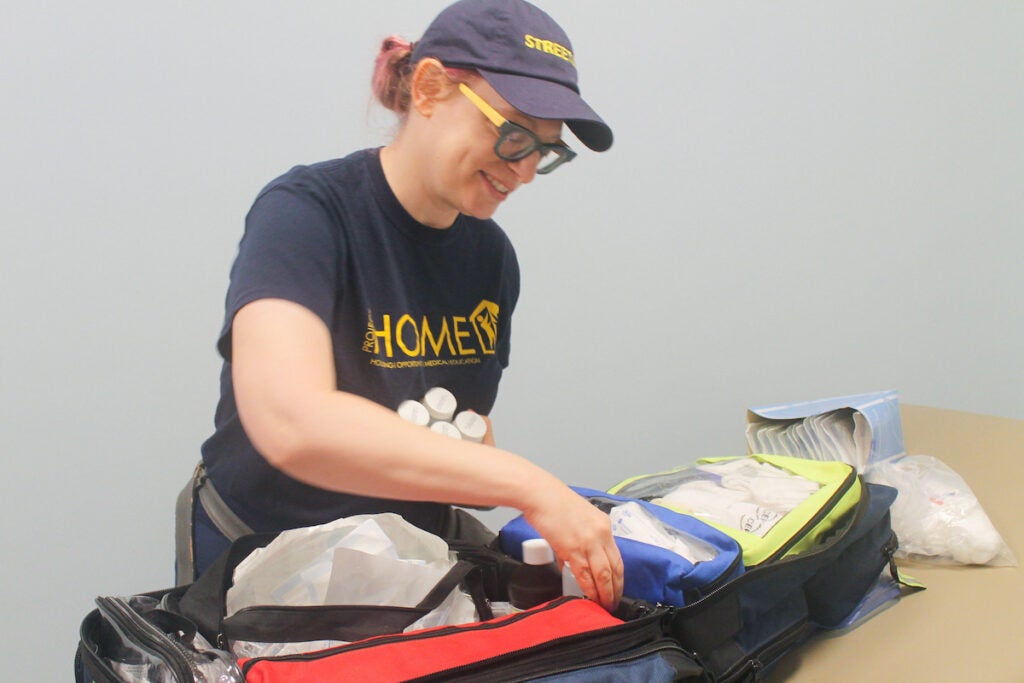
<point x="430" y="85"/>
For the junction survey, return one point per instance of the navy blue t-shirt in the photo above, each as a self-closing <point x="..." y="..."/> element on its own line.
<point x="409" y="307"/>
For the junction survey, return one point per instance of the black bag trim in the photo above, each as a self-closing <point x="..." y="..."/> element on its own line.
<point x="296" y="624"/>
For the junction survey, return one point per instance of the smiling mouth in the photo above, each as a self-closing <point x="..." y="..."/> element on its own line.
<point x="496" y="185"/>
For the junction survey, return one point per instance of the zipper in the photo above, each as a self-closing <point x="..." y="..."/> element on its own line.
<point x="558" y="666"/>
<point x="380" y="640"/>
<point x="140" y="632"/>
<point x="760" y="569"/>
<point x="889" y="550"/>
<point x="547" y="658"/>
<point x="605" y="505"/>
<point x="667" y="645"/>
<point x="245" y="624"/>
<point x="755" y="662"/>
<point x="721" y="579"/>
<point x="823" y="512"/>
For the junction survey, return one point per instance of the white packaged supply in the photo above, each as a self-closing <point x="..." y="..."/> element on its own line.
<point x="936" y="516"/>
<point x="743" y="494"/>
<point x="632" y="521"/>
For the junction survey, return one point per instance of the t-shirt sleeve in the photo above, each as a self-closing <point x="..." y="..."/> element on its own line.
<point x="289" y="251"/>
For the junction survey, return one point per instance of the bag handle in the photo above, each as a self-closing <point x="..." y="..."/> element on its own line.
<point x="204" y="600"/>
<point x="294" y="624"/>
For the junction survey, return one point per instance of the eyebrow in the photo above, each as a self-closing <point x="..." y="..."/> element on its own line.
<point x="528" y="124"/>
<point x="515" y="113"/>
<point x="558" y="137"/>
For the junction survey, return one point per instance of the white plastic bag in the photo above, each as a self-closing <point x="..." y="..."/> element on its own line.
<point x="936" y="516"/>
<point x="741" y="493"/>
<point x="631" y="520"/>
<point x="378" y="559"/>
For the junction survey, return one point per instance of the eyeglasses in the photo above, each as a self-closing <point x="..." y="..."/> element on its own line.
<point x="516" y="143"/>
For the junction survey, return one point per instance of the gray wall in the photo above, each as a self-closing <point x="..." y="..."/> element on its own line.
<point x="803" y="200"/>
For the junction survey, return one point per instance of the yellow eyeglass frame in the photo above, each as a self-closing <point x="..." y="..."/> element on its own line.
<point x="522" y="140"/>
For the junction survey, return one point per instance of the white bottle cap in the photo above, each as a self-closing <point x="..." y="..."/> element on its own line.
<point x="471" y="425"/>
<point x="414" y="412"/>
<point x="440" y="403"/>
<point x="537" y="551"/>
<point x="446" y="428"/>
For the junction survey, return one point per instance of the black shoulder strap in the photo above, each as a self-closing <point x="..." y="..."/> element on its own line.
<point x="291" y="624"/>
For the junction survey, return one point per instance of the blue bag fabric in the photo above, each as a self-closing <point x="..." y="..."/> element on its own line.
<point x="653" y="573"/>
<point x="742" y="630"/>
<point x="661" y="662"/>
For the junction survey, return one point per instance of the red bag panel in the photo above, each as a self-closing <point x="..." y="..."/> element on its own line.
<point x="397" y="658"/>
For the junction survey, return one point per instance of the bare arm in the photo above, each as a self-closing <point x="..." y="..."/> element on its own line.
<point x="289" y="404"/>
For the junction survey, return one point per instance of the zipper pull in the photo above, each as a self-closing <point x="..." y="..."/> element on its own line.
<point x="889" y="549"/>
<point x="755" y="669"/>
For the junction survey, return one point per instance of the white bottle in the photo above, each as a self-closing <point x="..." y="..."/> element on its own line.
<point x="440" y="404"/>
<point x="446" y="428"/>
<point x="537" y="579"/>
<point x="471" y="425"/>
<point x="415" y="412"/>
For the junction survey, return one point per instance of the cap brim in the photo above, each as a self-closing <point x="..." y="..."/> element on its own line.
<point x="549" y="100"/>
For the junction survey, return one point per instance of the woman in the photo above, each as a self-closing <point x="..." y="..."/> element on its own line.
<point x="364" y="281"/>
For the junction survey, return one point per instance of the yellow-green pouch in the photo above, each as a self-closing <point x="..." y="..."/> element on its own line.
<point x="800" y="529"/>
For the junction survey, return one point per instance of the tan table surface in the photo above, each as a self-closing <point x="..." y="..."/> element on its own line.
<point x="969" y="623"/>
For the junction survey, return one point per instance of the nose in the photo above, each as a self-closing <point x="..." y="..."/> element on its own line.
<point x="526" y="168"/>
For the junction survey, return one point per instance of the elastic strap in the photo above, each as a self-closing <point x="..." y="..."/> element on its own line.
<point x="222" y="516"/>
<point x="184" y="547"/>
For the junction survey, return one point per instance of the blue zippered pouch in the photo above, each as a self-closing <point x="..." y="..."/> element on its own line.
<point x="681" y="559"/>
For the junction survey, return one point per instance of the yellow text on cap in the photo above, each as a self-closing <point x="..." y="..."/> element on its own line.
<point x="550" y="47"/>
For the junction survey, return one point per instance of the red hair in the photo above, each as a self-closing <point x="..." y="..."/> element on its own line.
<point x="391" y="72"/>
<point x="391" y="82"/>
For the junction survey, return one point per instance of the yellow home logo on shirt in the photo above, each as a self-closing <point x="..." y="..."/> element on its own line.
<point x="425" y="338"/>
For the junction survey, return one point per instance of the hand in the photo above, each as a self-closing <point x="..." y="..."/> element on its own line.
<point x="581" y="535"/>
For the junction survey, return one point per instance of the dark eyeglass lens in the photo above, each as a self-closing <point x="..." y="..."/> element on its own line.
<point x="549" y="161"/>
<point x="516" y="144"/>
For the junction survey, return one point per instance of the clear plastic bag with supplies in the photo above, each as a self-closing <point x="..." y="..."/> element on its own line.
<point x="937" y="517"/>
<point x="142" y="641"/>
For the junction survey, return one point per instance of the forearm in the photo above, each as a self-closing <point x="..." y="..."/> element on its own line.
<point x="342" y="442"/>
<point x="284" y="379"/>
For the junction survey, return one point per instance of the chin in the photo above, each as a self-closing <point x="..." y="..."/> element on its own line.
<point x="481" y="212"/>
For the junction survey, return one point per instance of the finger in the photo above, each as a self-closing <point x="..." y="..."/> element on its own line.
<point x="604" y="583"/>
<point x="596" y="580"/>
<point x="580" y="571"/>
<point x="606" y="569"/>
<point x="618" y="572"/>
<point x="585" y="580"/>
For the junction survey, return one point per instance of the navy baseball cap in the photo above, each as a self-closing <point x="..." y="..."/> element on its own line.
<point x="523" y="54"/>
